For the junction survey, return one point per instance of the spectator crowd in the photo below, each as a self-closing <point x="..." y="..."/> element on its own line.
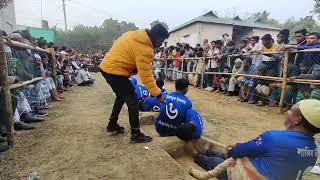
<point x="30" y="103"/>
<point x="261" y="56"/>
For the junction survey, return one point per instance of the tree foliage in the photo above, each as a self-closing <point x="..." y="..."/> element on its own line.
<point x="264" y="17"/>
<point x="303" y="23"/>
<point x="94" y="38"/>
<point x="316" y="8"/>
<point x="159" y="22"/>
<point x="5" y="3"/>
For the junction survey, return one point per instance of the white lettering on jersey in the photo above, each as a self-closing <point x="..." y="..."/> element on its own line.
<point x="171" y="113"/>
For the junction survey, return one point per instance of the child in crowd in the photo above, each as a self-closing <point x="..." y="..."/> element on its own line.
<point x="247" y="84"/>
<point x="173" y="112"/>
<point x="270" y="154"/>
<point x="176" y="63"/>
<point x="224" y="80"/>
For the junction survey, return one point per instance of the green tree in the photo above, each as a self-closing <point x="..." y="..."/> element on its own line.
<point x="316" y="8"/>
<point x="303" y="23"/>
<point x="264" y="17"/>
<point x="5" y="3"/>
<point x="159" y="22"/>
<point x="86" y="38"/>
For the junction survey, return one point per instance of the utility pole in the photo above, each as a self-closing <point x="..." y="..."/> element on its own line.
<point x="41" y="10"/>
<point x="65" y="16"/>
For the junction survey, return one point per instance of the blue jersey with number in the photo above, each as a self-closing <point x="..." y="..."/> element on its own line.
<point x="141" y="91"/>
<point x="279" y="155"/>
<point x="195" y="118"/>
<point x="172" y="113"/>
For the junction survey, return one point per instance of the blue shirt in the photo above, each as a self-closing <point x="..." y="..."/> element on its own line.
<point x="172" y="113"/>
<point x="164" y="91"/>
<point x="195" y="118"/>
<point x="141" y="91"/>
<point x="279" y="155"/>
<point x="133" y="81"/>
<point x="151" y="104"/>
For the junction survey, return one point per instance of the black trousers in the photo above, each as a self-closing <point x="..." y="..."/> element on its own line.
<point x="86" y="83"/>
<point x="125" y="93"/>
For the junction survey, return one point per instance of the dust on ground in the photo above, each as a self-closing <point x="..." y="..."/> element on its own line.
<point x="73" y="144"/>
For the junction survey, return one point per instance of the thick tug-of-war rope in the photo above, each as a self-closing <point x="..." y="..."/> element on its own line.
<point x="213" y="173"/>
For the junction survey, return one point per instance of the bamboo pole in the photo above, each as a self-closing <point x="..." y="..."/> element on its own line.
<point x="182" y="67"/>
<point x="203" y="73"/>
<point x="25" y="83"/>
<point x="5" y="90"/>
<point x="284" y="82"/>
<point x="166" y="68"/>
<point x="23" y="45"/>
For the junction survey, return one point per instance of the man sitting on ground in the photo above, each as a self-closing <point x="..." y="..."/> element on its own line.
<point x="83" y="78"/>
<point x="192" y="128"/>
<point x="271" y="154"/>
<point x="151" y="103"/>
<point x="173" y="112"/>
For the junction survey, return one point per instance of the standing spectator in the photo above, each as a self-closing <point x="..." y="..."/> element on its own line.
<point x="244" y="46"/>
<point x="224" y="80"/>
<point x="176" y="63"/>
<point x="283" y="37"/>
<point x="309" y="58"/>
<point x="268" y="44"/>
<point x="255" y="47"/>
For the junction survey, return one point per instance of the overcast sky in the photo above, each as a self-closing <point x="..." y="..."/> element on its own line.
<point x="142" y="12"/>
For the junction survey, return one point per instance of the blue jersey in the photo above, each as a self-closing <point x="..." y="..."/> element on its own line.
<point x="151" y="104"/>
<point x="195" y="118"/>
<point x="141" y="91"/>
<point x="172" y="113"/>
<point x="164" y="92"/>
<point x="279" y="155"/>
<point x="133" y="81"/>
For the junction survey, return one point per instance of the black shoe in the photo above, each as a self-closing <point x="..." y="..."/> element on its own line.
<point x="140" y="138"/>
<point x="3" y="139"/>
<point x="115" y="129"/>
<point x="22" y="126"/>
<point x="32" y="119"/>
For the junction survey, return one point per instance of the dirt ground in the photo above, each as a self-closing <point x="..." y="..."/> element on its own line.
<point x="73" y="144"/>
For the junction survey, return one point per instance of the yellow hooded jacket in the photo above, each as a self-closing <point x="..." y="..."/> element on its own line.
<point x="132" y="52"/>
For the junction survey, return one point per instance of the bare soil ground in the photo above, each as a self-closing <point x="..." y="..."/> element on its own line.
<point x="73" y="144"/>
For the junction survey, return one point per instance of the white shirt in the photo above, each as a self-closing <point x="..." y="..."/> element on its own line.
<point x="82" y="76"/>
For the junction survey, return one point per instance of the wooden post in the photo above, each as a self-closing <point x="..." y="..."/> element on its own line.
<point x="284" y="81"/>
<point x="166" y="69"/>
<point x="4" y="83"/>
<point x="203" y="72"/>
<point x="182" y="68"/>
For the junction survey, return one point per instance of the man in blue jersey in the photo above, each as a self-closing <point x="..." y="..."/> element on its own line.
<point x="141" y="91"/>
<point x="192" y="128"/>
<point x="152" y="104"/>
<point x="173" y="112"/>
<point x="276" y="154"/>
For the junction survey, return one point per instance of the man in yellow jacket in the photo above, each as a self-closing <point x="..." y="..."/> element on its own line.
<point x="130" y="54"/>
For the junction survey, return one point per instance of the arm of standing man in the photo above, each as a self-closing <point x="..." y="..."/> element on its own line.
<point x="143" y="62"/>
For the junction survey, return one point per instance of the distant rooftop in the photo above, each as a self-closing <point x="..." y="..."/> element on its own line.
<point x="211" y="17"/>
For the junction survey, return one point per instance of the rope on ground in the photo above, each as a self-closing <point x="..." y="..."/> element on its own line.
<point x="218" y="170"/>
